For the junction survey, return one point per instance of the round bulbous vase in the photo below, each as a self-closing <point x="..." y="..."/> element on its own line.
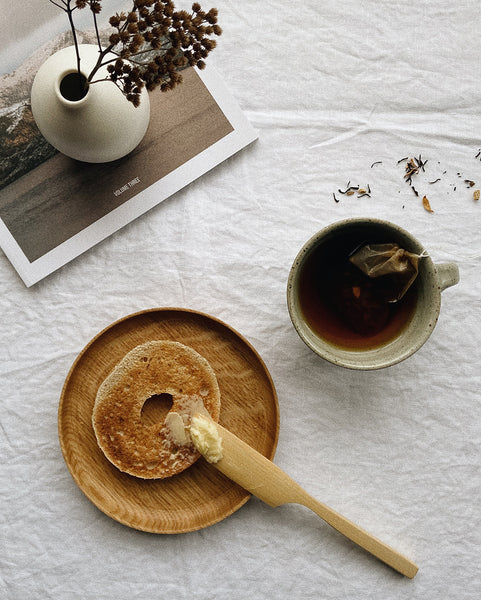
<point x="101" y="126"/>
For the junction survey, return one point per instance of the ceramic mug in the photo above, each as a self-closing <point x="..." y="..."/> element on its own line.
<point x="431" y="280"/>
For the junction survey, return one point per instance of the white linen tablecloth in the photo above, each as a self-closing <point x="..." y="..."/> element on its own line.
<point x="332" y="88"/>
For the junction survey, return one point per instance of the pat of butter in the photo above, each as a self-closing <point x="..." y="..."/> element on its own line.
<point x="206" y="438"/>
<point x="175" y="426"/>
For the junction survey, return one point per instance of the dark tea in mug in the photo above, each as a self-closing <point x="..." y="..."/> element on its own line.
<point x="345" y="306"/>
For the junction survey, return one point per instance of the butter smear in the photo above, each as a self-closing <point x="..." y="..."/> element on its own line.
<point x="206" y="438"/>
<point x="176" y="429"/>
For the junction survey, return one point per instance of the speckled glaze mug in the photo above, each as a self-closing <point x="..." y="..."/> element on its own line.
<point x="431" y="280"/>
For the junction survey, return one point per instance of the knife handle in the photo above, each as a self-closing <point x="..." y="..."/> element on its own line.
<point x="261" y="477"/>
<point x="362" y="538"/>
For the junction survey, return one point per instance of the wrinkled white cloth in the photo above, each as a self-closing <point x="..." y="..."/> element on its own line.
<point x="339" y="92"/>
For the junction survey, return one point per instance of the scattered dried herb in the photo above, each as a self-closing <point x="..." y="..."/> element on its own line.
<point x="426" y="205"/>
<point x="364" y="192"/>
<point x="352" y="189"/>
<point x="349" y="188"/>
<point x="413" y="166"/>
<point x="421" y="163"/>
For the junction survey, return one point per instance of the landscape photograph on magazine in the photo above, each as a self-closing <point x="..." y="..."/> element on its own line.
<point x="48" y="200"/>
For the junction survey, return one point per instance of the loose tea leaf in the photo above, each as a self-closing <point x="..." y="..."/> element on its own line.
<point x="352" y="189"/>
<point x="426" y="205"/>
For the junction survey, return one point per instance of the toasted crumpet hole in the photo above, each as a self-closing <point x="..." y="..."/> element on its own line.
<point x="155" y="409"/>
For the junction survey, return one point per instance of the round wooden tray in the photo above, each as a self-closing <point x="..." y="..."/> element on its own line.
<point x="200" y="496"/>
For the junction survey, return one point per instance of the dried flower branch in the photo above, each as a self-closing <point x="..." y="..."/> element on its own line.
<point x="150" y="44"/>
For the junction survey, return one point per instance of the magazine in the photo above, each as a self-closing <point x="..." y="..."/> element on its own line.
<point x="53" y="208"/>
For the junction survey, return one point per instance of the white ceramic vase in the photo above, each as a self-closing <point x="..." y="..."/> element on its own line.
<point x="100" y="127"/>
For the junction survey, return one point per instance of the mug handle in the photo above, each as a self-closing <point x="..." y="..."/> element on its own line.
<point x="448" y="275"/>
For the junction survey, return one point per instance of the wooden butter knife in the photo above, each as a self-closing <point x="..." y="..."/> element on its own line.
<point x="261" y="477"/>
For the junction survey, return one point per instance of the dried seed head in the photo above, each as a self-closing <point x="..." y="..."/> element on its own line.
<point x="153" y="42"/>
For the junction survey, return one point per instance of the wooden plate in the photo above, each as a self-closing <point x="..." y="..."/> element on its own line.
<point x="200" y="496"/>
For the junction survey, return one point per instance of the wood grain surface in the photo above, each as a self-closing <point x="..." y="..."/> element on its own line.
<point x="200" y="496"/>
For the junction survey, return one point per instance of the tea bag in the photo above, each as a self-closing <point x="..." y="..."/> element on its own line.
<point x="397" y="267"/>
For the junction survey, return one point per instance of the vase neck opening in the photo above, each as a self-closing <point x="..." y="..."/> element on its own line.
<point x="74" y="86"/>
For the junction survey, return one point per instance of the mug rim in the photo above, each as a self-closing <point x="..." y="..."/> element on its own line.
<point x="373" y="358"/>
